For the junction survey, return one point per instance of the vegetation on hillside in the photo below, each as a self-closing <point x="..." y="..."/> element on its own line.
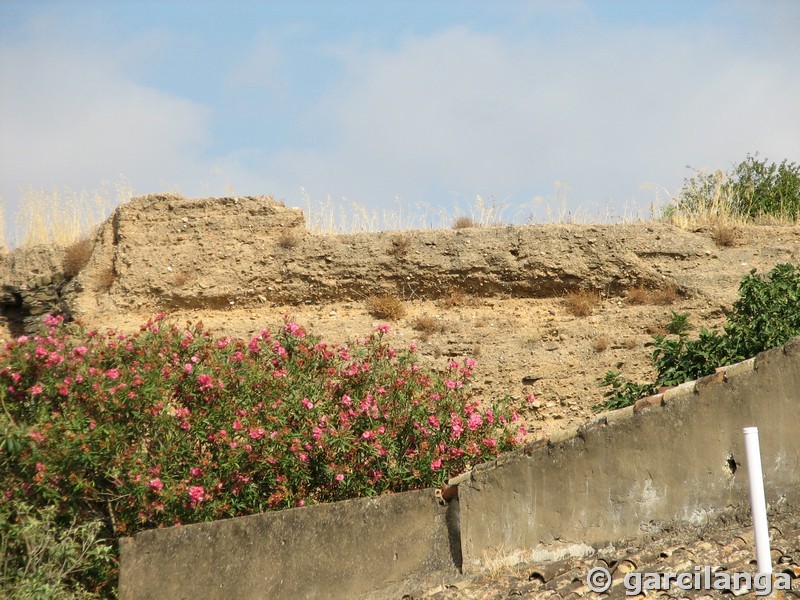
<point x="754" y="191"/>
<point x="766" y="315"/>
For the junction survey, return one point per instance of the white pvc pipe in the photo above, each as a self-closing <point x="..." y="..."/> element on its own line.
<point x="757" y="502"/>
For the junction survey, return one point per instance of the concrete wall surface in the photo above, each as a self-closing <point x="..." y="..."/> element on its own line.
<point x="371" y="547"/>
<point x="675" y="457"/>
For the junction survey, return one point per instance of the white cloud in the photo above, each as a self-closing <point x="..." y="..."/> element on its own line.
<point x="604" y="110"/>
<point x="71" y="117"/>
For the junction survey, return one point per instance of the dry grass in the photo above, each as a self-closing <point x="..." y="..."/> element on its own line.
<point x="600" y="344"/>
<point x="400" y="246"/>
<point x="427" y="326"/>
<point x="581" y="303"/>
<point x="641" y="295"/>
<point x="61" y="218"/>
<point x="77" y="255"/>
<point x="181" y="278"/>
<point x="630" y="343"/>
<point x="453" y="298"/>
<point x="465" y="223"/>
<point x="656" y="329"/>
<point x="725" y="235"/>
<point x="348" y="216"/>
<point x="502" y="560"/>
<point x="385" y="306"/>
<point x="105" y="279"/>
<point x="288" y="240"/>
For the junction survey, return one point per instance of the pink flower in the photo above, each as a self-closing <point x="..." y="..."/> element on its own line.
<point x="196" y="495"/>
<point x="205" y="381"/>
<point x="54" y="359"/>
<point x="36" y="436"/>
<point x="455" y="426"/>
<point x="36" y="389"/>
<point x="113" y="373"/>
<point x="307" y="404"/>
<point x="185" y="425"/>
<point x="367" y="435"/>
<point x="52" y="321"/>
<point x="188" y="368"/>
<point x="474" y="421"/>
<point x="436" y="464"/>
<point x="383" y="328"/>
<point x="256" y="433"/>
<point x="156" y="484"/>
<point x="450" y="384"/>
<point x="195" y="472"/>
<point x="434" y="422"/>
<point x="237" y="426"/>
<point x="294" y="329"/>
<point x="339" y="477"/>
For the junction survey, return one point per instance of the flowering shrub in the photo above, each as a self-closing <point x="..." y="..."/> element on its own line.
<point x="174" y="426"/>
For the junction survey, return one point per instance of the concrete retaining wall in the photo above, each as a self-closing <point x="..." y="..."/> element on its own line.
<point x="675" y="457"/>
<point x="372" y="547"/>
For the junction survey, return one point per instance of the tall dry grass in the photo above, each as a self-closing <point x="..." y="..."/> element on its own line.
<point x="64" y="216"/>
<point x="349" y="216"/>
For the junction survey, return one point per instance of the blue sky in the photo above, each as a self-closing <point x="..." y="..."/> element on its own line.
<point x="387" y="103"/>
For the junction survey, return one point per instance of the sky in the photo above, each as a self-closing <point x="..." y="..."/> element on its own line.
<point x="593" y="107"/>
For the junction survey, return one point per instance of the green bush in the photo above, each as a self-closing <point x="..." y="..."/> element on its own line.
<point x="173" y="426"/>
<point x="753" y="190"/>
<point x="766" y="315"/>
<point x="40" y="557"/>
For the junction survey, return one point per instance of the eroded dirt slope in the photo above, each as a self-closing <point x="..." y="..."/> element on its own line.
<point x="494" y="294"/>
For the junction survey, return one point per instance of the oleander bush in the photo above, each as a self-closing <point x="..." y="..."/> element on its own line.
<point x="173" y="426"/>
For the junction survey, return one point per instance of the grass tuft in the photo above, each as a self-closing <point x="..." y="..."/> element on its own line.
<point x="453" y="298"/>
<point x="288" y="240"/>
<point x="581" y="303"/>
<point x="725" y="235"/>
<point x="76" y="256"/>
<point x="400" y="246"/>
<point x="385" y="306"/>
<point x="641" y="295"/>
<point x="465" y="223"/>
<point x="600" y="344"/>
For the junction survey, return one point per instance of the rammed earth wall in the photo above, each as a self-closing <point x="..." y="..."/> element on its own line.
<point x="673" y="458"/>
<point x="167" y="251"/>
